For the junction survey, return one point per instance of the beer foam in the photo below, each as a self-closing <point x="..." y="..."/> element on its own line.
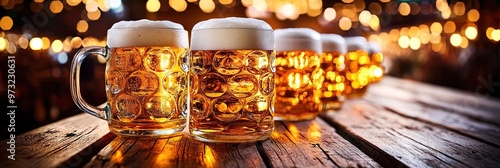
<point x="374" y="48"/>
<point x="333" y="43"/>
<point x="232" y="33"/>
<point x="356" y="43"/>
<point x="297" y="39"/>
<point x="143" y="33"/>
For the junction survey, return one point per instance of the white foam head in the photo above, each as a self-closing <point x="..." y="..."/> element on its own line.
<point x="374" y="48"/>
<point x="232" y="33"/>
<point x="333" y="43"/>
<point x="356" y="43"/>
<point x="144" y="33"/>
<point x="297" y="39"/>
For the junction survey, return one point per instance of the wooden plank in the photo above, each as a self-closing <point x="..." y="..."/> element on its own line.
<point x="474" y="107"/>
<point x="69" y="142"/>
<point x="481" y="131"/>
<point x="410" y="142"/>
<point x="180" y="151"/>
<point x="312" y="144"/>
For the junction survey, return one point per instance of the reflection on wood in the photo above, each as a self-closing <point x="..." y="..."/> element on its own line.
<point x="312" y="144"/>
<point x="179" y="151"/>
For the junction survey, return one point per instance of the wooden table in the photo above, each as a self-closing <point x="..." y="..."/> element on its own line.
<point x="398" y="123"/>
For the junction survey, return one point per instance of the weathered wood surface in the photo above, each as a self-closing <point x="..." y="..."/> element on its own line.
<point x="475" y="105"/>
<point x="412" y="143"/>
<point x="398" y="123"/>
<point x="77" y="137"/>
<point x="312" y="144"/>
<point x="302" y="144"/>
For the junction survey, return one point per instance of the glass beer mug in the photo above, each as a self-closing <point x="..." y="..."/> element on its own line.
<point x="358" y="67"/>
<point x="232" y="80"/>
<point x="333" y="68"/>
<point x="298" y="75"/>
<point x="145" y="79"/>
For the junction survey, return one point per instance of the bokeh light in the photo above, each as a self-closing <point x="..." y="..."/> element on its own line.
<point x="459" y="8"/>
<point x="153" y="5"/>
<point x="414" y="43"/>
<point x="82" y="26"/>
<point x="365" y="17"/>
<point x="23" y="42"/>
<point x="56" y="6"/>
<point x="6" y="23"/>
<point x="449" y="27"/>
<point x="36" y="43"/>
<point x="181" y="5"/>
<point x="345" y="23"/>
<point x="436" y="28"/>
<point x="404" y="41"/>
<point x="455" y="39"/>
<point x="404" y="9"/>
<point x="57" y="46"/>
<point x="45" y="43"/>
<point x="473" y="15"/>
<point x="471" y="32"/>
<point x="329" y="14"/>
<point x="208" y="6"/>
<point x="495" y="35"/>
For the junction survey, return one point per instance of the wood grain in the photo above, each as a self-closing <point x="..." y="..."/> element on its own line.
<point x="69" y="142"/>
<point x="481" y="131"/>
<point x="180" y="151"/>
<point x="312" y="144"/>
<point x="475" y="105"/>
<point x="413" y="143"/>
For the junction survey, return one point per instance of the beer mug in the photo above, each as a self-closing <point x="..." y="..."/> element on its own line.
<point x="145" y="79"/>
<point x="376" y="57"/>
<point x="333" y="66"/>
<point x="298" y="74"/>
<point x="358" y="66"/>
<point x="232" y="80"/>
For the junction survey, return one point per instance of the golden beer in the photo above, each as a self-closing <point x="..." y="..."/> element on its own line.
<point x="333" y="67"/>
<point x="146" y="78"/>
<point x="298" y="75"/>
<point x="297" y="80"/>
<point x="231" y="84"/>
<point x="376" y="57"/>
<point x="357" y="67"/>
<point x="147" y="89"/>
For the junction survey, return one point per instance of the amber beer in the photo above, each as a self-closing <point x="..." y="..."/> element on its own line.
<point x="146" y="78"/>
<point x="358" y="67"/>
<point x="298" y="74"/>
<point x="333" y="67"/>
<point x="376" y="57"/>
<point x="232" y="80"/>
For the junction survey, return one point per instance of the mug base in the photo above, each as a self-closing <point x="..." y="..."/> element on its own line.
<point x="214" y="137"/>
<point x="147" y="129"/>
<point x="295" y="117"/>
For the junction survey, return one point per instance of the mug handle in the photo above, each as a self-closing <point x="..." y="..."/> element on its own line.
<point x="99" y="112"/>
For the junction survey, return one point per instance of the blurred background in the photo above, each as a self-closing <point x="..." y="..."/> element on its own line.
<point x="452" y="43"/>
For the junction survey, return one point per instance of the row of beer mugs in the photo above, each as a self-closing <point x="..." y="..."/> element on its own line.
<point x="226" y="83"/>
